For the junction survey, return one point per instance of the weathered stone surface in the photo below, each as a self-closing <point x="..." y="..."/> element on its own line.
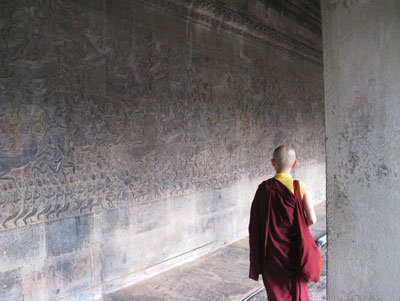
<point x="58" y="277"/>
<point x="11" y="285"/>
<point x="68" y="235"/>
<point x="362" y="68"/>
<point x="133" y="132"/>
<point x="124" y="113"/>
<point x="221" y="275"/>
<point x="22" y="246"/>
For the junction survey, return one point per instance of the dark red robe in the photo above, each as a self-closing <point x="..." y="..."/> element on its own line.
<point x="273" y="242"/>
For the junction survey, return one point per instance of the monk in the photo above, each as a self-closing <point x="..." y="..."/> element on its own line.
<point x="273" y="231"/>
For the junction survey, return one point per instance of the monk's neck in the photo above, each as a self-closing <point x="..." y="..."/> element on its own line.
<point x="284" y="171"/>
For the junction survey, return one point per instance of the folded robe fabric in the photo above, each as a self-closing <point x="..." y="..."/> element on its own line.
<point x="310" y="259"/>
<point x="273" y="237"/>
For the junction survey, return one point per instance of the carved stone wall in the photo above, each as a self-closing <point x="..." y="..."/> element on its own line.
<point x="113" y="110"/>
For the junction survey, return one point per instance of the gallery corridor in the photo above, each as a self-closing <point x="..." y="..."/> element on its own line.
<point x="221" y="275"/>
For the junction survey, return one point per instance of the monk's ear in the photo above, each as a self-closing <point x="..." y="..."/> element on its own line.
<point x="273" y="162"/>
<point x="294" y="163"/>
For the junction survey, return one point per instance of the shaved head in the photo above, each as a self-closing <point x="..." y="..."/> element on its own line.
<point x="284" y="157"/>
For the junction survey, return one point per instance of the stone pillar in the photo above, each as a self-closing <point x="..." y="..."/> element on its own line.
<point x="362" y="70"/>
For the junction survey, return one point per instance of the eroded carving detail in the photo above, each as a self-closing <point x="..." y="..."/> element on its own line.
<point x="97" y="112"/>
<point x="218" y="17"/>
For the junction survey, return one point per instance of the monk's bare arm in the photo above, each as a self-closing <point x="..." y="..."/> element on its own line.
<point x="309" y="209"/>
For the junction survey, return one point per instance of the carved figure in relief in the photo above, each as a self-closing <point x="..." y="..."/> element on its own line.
<point x="12" y="160"/>
<point x="113" y="96"/>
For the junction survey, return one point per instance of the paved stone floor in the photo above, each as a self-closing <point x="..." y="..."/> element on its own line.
<point x="221" y="275"/>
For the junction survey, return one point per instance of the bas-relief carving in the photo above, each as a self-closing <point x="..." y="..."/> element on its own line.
<point x="97" y="112"/>
<point x="218" y="17"/>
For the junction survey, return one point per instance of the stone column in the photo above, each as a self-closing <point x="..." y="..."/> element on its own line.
<point x="362" y="89"/>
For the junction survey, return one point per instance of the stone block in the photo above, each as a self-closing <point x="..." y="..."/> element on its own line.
<point x="60" y="277"/>
<point x="22" y="245"/>
<point x="216" y="226"/>
<point x="213" y="201"/>
<point x="111" y="221"/>
<point x="113" y="257"/>
<point x="68" y="235"/>
<point x="149" y="216"/>
<point x="11" y="285"/>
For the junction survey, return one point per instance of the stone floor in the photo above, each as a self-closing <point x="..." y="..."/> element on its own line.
<point x="221" y="275"/>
